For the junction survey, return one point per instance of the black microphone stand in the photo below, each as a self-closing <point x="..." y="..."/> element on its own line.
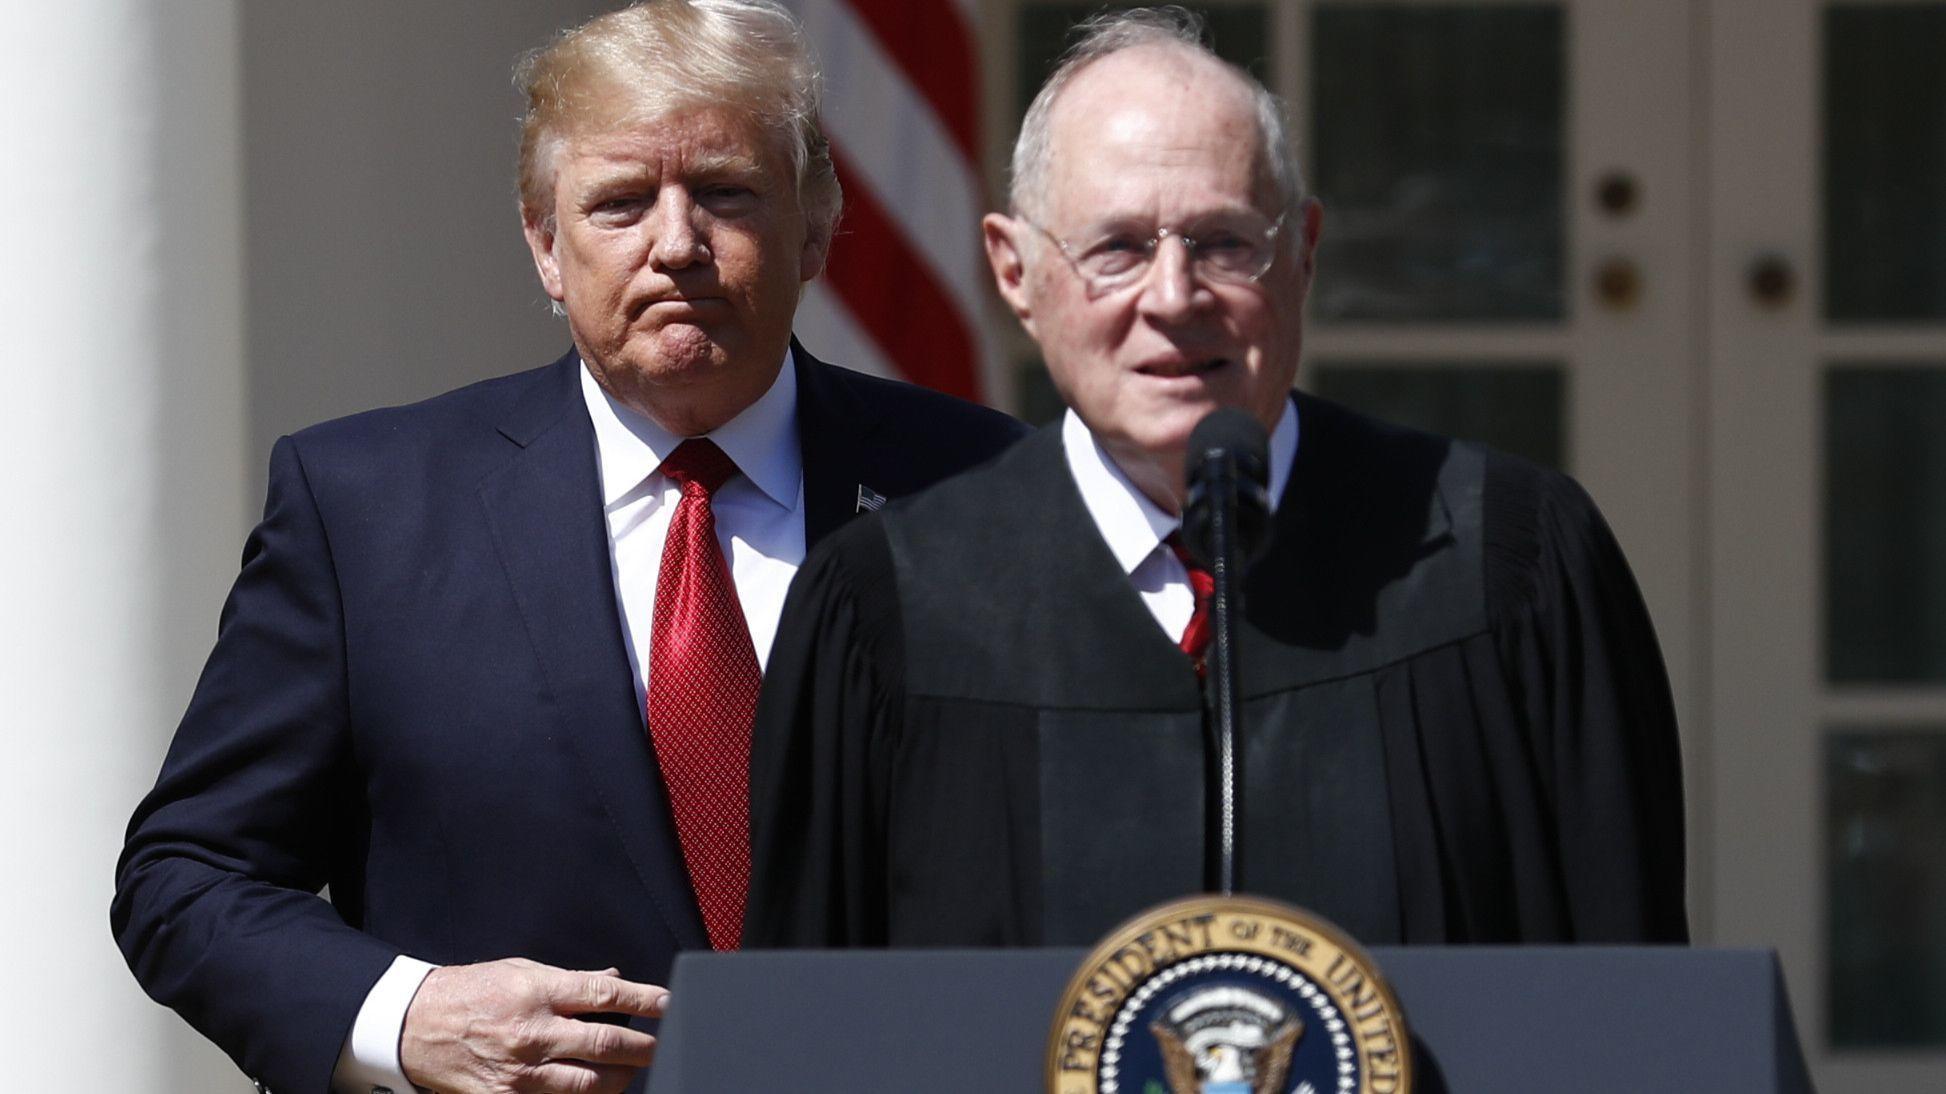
<point x="1225" y="519"/>
<point x="1222" y="700"/>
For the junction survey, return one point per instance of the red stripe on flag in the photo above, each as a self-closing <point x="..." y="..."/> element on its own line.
<point x="892" y="294"/>
<point x="928" y="39"/>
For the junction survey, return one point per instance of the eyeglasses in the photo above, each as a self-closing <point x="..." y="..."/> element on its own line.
<point x="1232" y="250"/>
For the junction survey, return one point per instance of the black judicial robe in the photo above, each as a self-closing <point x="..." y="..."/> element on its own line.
<point x="1458" y="724"/>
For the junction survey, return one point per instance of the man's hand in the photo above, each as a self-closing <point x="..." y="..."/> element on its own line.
<point x="502" y="1027"/>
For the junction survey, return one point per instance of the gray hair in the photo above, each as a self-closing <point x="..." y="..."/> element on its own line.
<point x="661" y="55"/>
<point x="1111" y="32"/>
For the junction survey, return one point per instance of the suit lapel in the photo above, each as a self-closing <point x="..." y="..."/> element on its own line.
<point x="834" y="434"/>
<point x="544" y="508"/>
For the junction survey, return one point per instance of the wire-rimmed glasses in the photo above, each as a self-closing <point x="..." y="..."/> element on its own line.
<point x="1232" y="248"/>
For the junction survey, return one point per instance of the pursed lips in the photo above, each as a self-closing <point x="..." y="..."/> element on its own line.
<point x="674" y="308"/>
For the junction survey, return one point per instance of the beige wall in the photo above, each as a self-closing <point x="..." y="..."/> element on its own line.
<point x="382" y="249"/>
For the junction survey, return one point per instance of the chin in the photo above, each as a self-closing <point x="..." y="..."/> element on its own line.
<point x="660" y="367"/>
<point x="1174" y="422"/>
<point x="1168" y="439"/>
<point x="683" y="345"/>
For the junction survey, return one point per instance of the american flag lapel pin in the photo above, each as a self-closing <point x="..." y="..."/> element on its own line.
<point x="869" y="500"/>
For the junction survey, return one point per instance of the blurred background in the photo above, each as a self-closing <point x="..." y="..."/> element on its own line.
<point x="1692" y="251"/>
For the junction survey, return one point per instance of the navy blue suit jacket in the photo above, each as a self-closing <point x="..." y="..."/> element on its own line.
<point x="419" y="698"/>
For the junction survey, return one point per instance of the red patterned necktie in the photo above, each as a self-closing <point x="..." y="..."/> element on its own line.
<point x="1195" y="637"/>
<point x="703" y="680"/>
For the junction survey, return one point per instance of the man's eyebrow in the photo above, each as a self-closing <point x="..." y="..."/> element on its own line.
<point x="1145" y="224"/>
<point x="613" y="173"/>
<point x="627" y="171"/>
<point x="1232" y="212"/>
<point x="717" y="164"/>
<point x="1111" y="225"/>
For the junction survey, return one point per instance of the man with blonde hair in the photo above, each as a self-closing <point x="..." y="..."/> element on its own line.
<point x="488" y="671"/>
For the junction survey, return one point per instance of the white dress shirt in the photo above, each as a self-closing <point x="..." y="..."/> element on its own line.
<point x="1135" y="527"/>
<point x="759" y="511"/>
<point x="759" y="522"/>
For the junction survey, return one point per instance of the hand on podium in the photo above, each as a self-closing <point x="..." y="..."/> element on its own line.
<point x="508" y="1026"/>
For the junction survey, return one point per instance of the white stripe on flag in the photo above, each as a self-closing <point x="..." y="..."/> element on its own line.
<point x="828" y="330"/>
<point x="889" y="133"/>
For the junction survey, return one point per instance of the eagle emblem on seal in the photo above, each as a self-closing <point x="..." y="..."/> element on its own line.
<point x="1226" y="1040"/>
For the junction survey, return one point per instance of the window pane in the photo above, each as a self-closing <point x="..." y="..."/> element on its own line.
<point x="1885" y="856"/>
<point x="1514" y="408"/>
<point x="1885" y="162"/>
<point x="1885" y="524"/>
<point x="1437" y="135"/>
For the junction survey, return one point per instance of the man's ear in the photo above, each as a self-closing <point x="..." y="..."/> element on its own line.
<point x="539" y="231"/>
<point x="817" y="249"/>
<point x="1310" y="225"/>
<point x="1005" y="239"/>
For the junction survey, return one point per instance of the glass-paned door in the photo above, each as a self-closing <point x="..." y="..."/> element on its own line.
<point x="1827" y="396"/>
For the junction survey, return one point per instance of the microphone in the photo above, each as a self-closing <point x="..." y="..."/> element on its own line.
<point x="1228" y="466"/>
<point x="1225" y="517"/>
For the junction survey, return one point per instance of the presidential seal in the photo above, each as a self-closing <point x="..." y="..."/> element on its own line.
<point x="1228" y="995"/>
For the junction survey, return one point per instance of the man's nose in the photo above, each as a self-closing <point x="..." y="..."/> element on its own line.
<point x="680" y="239"/>
<point x="1169" y="289"/>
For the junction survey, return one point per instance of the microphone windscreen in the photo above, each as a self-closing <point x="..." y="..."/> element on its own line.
<point x="1229" y="430"/>
<point x="1226" y="437"/>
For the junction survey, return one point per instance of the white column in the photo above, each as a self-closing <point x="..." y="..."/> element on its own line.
<point x="122" y="480"/>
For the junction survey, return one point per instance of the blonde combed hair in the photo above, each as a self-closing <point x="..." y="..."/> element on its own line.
<point x="659" y="56"/>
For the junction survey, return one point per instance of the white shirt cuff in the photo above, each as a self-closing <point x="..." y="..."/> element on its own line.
<point x="370" y="1059"/>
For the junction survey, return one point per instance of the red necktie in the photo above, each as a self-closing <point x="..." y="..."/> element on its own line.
<point x="1195" y="637"/>
<point x="703" y="679"/>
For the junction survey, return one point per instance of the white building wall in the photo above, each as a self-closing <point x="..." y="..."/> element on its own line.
<point x="382" y="236"/>
<point x="122" y="483"/>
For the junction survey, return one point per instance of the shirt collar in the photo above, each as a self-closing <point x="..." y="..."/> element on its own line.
<point x="1131" y="524"/>
<point x="762" y="440"/>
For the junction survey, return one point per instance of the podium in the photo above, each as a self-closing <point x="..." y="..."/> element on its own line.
<point x="1507" y="1020"/>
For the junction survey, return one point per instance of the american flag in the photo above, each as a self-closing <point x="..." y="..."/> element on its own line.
<point x="904" y="292"/>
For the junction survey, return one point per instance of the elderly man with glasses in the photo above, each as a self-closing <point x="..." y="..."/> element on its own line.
<point x="983" y="721"/>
